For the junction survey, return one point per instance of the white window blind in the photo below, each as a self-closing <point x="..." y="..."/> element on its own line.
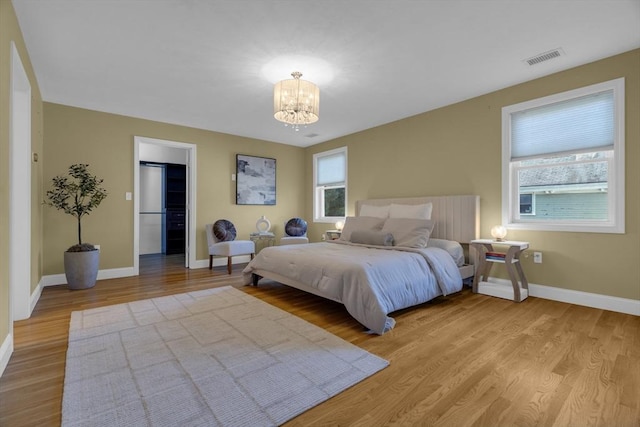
<point x="331" y="169"/>
<point x="566" y="152"/>
<point x="330" y="185"/>
<point x="576" y="125"/>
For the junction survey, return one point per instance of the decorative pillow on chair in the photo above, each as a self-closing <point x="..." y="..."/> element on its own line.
<point x="360" y="223"/>
<point x="224" y="230"/>
<point x="296" y="227"/>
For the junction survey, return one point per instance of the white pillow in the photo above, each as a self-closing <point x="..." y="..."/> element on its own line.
<point x="360" y="223"/>
<point x="375" y="211"/>
<point x="454" y="248"/>
<point x="407" y="232"/>
<point x="411" y="211"/>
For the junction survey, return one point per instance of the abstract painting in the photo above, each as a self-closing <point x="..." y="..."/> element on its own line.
<point x="255" y="180"/>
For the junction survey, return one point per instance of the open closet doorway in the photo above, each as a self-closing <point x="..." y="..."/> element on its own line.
<point x="164" y="199"/>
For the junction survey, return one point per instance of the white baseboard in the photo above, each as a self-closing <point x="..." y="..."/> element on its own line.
<point x="500" y="290"/>
<point x="221" y="261"/>
<point x="53" y="280"/>
<point x="112" y="273"/>
<point x="6" y="349"/>
<point x="35" y="296"/>
<point x="204" y="263"/>
<point x="604" y="302"/>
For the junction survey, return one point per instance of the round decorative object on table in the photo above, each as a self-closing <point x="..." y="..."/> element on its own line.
<point x="263" y="225"/>
<point x="224" y="230"/>
<point x="499" y="232"/>
<point x="296" y="227"/>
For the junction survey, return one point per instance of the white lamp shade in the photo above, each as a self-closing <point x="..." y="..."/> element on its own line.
<point x="296" y="101"/>
<point x="498" y="232"/>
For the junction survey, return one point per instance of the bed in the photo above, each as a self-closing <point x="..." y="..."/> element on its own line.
<point x="389" y="257"/>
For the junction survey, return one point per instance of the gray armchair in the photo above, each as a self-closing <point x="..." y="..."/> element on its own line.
<point x="295" y="232"/>
<point x="221" y="237"/>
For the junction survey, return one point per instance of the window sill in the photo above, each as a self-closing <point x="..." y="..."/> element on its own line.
<point x="572" y="227"/>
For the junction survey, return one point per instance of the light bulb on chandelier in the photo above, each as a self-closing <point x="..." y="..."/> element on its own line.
<point x="296" y="102"/>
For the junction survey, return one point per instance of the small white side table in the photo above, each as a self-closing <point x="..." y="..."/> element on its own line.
<point x="511" y="260"/>
<point x="262" y="240"/>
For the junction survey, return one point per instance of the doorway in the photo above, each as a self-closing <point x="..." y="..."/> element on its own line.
<point x="19" y="191"/>
<point x="164" y="199"/>
<point x="162" y="208"/>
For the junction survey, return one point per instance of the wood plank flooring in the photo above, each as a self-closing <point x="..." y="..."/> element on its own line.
<point x="461" y="360"/>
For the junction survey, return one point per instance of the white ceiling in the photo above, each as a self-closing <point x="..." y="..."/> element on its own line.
<point x="211" y="64"/>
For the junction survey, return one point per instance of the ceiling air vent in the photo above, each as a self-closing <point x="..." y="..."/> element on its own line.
<point x="555" y="53"/>
<point x="311" y="135"/>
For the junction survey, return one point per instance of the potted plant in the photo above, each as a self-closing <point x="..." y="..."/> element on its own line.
<point x="77" y="194"/>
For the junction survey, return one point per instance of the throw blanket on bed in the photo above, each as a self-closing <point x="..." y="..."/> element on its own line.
<point x="371" y="282"/>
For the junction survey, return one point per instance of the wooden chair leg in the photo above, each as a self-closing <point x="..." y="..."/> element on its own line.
<point x="210" y="262"/>
<point x="229" y="265"/>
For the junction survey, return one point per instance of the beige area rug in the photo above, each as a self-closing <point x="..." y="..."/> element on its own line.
<point x="217" y="357"/>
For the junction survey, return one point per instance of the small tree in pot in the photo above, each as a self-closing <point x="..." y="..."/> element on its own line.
<point x="77" y="194"/>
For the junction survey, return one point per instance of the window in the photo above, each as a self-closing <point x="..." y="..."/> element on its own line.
<point x="563" y="161"/>
<point x="330" y="185"/>
<point x="526" y="204"/>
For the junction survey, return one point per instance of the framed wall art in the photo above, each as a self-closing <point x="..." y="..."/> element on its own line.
<point x="255" y="180"/>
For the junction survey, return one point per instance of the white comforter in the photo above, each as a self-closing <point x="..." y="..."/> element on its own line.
<point x="371" y="282"/>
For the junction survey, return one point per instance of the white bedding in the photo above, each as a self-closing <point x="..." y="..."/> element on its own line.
<point x="371" y="282"/>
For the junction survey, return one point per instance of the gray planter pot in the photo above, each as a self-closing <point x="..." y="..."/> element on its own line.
<point x="81" y="268"/>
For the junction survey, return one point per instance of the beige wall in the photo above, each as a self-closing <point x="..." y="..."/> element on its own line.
<point x="10" y="31"/>
<point x="106" y="142"/>
<point x="457" y="150"/>
<point x="453" y="150"/>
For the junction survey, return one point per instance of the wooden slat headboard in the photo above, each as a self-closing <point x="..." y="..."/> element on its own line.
<point x="456" y="217"/>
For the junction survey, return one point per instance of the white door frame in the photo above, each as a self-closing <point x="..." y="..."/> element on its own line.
<point x="190" y="229"/>
<point x="19" y="191"/>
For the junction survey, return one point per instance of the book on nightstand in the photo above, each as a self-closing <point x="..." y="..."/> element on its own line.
<point x="496" y="256"/>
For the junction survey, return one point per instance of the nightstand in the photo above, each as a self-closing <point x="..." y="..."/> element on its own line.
<point x="333" y="234"/>
<point x="508" y="253"/>
<point x="262" y="240"/>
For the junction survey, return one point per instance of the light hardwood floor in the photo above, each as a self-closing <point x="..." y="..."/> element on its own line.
<point x="462" y="360"/>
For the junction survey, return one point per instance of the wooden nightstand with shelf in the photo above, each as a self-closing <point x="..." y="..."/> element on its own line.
<point x="486" y="256"/>
<point x="333" y="234"/>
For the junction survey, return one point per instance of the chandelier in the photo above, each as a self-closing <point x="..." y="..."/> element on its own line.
<point x="296" y="102"/>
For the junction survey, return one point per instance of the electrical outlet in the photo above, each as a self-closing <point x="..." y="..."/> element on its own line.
<point x="537" y="257"/>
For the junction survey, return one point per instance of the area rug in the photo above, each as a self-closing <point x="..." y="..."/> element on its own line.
<point x="217" y="357"/>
